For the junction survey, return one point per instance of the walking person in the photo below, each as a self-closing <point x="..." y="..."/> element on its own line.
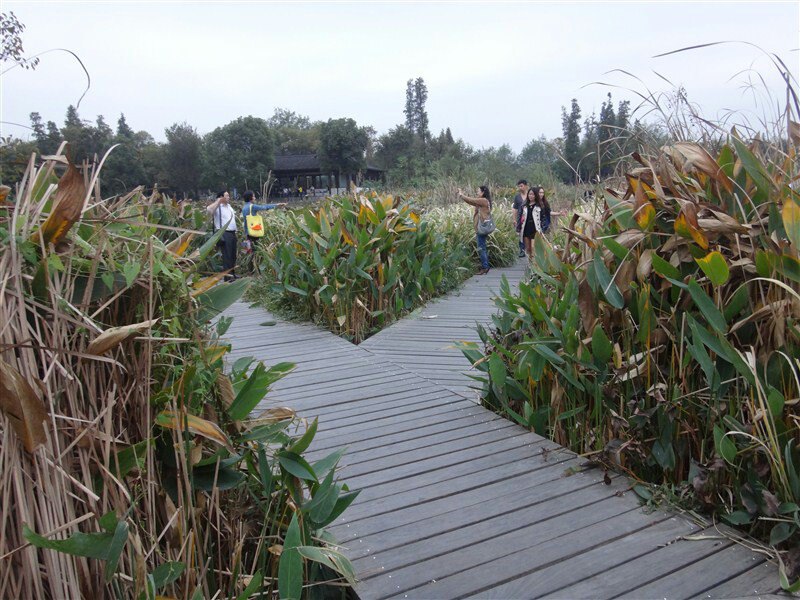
<point x="536" y="215"/>
<point x="223" y="217"/>
<point x="519" y="202"/>
<point x="483" y="211"/>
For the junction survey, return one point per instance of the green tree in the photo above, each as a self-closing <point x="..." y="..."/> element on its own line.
<point x="238" y="155"/>
<point x="570" y="125"/>
<point x="124" y="168"/>
<point x="343" y="146"/>
<point x="294" y="133"/>
<point x="183" y="158"/>
<point x="14" y="157"/>
<point x="416" y="115"/>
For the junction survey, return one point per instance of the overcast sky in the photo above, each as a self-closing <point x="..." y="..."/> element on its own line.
<point x="496" y="72"/>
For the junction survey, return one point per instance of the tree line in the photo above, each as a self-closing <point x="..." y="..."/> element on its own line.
<point x="242" y="153"/>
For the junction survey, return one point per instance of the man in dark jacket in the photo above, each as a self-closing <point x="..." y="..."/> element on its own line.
<point x="519" y="202"/>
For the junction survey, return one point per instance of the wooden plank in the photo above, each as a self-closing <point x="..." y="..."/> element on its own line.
<point x="695" y="579"/>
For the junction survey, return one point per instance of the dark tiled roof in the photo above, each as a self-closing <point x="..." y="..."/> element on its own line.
<point x="297" y="162"/>
<point x="304" y="162"/>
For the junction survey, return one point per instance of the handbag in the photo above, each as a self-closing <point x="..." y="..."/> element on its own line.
<point x="255" y="224"/>
<point x="486" y="227"/>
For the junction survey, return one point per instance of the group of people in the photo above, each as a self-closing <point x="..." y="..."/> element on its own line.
<point x="532" y="215"/>
<point x="223" y="217"/>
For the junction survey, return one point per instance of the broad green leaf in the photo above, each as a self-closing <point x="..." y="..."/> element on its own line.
<point x="290" y="567"/>
<point x="304" y="442"/>
<point x="252" y="587"/>
<point x="601" y="346"/>
<point x="715" y="267"/>
<point x="663" y="268"/>
<point x="724" y="445"/>
<point x="707" y="307"/>
<point x="167" y="572"/>
<point x="738" y="517"/>
<point x="219" y="298"/>
<point x="296" y="465"/>
<point x="606" y="283"/>
<point x="335" y="561"/>
<point x="91" y="545"/>
<point x="780" y="533"/>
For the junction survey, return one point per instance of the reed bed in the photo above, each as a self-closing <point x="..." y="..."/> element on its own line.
<point x="129" y="465"/>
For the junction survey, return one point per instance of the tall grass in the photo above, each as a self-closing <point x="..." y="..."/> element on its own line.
<point x="662" y="337"/>
<point x="129" y="466"/>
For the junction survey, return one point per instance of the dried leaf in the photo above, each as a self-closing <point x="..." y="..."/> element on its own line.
<point x="794" y="132"/>
<point x="179" y="245"/>
<point x="698" y="158"/>
<point x="4" y="191"/>
<point x="645" y="265"/>
<point x="114" y="336"/>
<point x="271" y="415"/>
<point x="25" y="410"/>
<point x="67" y="207"/>
<point x="225" y="389"/>
<point x="194" y="424"/>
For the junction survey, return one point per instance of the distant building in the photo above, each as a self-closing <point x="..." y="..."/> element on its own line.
<point x="293" y="171"/>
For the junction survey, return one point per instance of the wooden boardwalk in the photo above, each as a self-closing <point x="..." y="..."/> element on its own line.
<point x="457" y="502"/>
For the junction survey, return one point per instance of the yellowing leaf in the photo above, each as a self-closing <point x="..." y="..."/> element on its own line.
<point x="214" y="353"/>
<point x="116" y="335"/>
<point x="387" y="202"/>
<point x="686" y="226"/>
<point x="414" y="217"/>
<point x="67" y="207"/>
<point x="181" y="421"/>
<point x="25" y="410"/>
<point x="791" y="220"/>
<point x="180" y="244"/>
<point x="347" y="237"/>
<point x="715" y="267"/>
<point x="206" y="284"/>
<point x="645" y="216"/>
<point x="4" y="191"/>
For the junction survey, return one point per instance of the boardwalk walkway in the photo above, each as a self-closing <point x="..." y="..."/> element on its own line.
<point x="458" y="502"/>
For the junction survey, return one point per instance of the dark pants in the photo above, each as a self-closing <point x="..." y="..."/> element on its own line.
<point x="227" y="245"/>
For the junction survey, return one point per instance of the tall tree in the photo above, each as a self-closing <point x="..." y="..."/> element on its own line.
<point x="416" y="115"/>
<point x="182" y="158"/>
<point x="124" y="168"/>
<point x="570" y="125"/>
<point x="238" y="155"/>
<point x="343" y="146"/>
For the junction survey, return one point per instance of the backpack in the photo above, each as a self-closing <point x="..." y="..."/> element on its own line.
<point x="545" y="219"/>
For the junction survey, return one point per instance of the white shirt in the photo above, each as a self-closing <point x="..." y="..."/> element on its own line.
<point x="223" y="214"/>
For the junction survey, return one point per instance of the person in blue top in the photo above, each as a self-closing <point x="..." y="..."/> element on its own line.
<point x="251" y="208"/>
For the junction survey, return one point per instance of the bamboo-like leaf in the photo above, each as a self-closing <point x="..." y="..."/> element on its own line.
<point x="179" y="245"/>
<point x="707" y="306"/>
<point x="686" y="226"/>
<point x="114" y="336"/>
<point x="791" y="220"/>
<point x="67" y="208"/>
<point x="25" y="410"/>
<point x="715" y="267"/>
<point x="180" y="421"/>
<point x="696" y="156"/>
<point x="290" y="567"/>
